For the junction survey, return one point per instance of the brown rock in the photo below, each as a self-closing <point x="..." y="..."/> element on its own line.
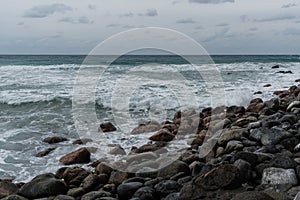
<point x="151" y="126"/>
<point x="7" y="188"/>
<point x="162" y="135"/>
<point x="103" y="168"/>
<point x="267" y="85"/>
<point x="82" y="141"/>
<point x="79" y="156"/>
<point x="252" y="195"/>
<point x="117" y="151"/>
<point x="117" y="177"/>
<point x="74" y="176"/>
<point x="173" y="169"/>
<point x="45" y="152"/>
<point x="255" y="107"/>
<point x="107" y="127"/>
<point x="53" y="140"/>
<point x="151" y="147"/>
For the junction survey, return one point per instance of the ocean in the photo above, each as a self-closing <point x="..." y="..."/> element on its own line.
<point x="37" y="98"/>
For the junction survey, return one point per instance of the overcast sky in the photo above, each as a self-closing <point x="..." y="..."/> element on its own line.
<point x="220" y="26"/>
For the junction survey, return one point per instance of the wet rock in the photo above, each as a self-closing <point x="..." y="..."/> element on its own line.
<point x="275" y="67"/>
<point x="231" y="134"/>
<point x="172" y="196"/>
<point x="162" y="135"/>
<point x="126" y="190"/>
<point x="173" y="169"/>
<point x="236" y="110"/>
<point x="117" y="177"/>
<point x="151" y="126"/>
<point x="269" y="136"/>
<point x="14" y="197"/>
<point x="53" y="140"/>
<point x="103" y="168"/>
<point x="76" y="192"/>
<point x="64" y="197"/>
<point x="255" y="107"/>
<point x="166" y="187"/>
<point x="79" y="156"/>
<point x="145" y="193"/>
<point x="95" y="195"/>
<point x="252" y="195"/>
<point x="117" y="151"/>
<point x="184" y="180"/>
<point x="284" y="162"/>
<point x="243" y="122"/>
<point x="90" y="182"/>
<point x="141" y="157"/>
<point x="233" y="145"/>
<point x="107" y="127"/>
<point x="82" y="141"/>
<point x="279" y="176"/>
<point x="290" y="143"/>
<point x="244" y="168"/>
<point x="294" y="104"/>
<point x="284" y="72"/>
<point x="45" y="152"/>
<point x="7" y="188"/>
<point x="250" y="157"/>
<point x="74" y="176"/>
<point x="152" y="147"/>
<point x="44" y="185"/>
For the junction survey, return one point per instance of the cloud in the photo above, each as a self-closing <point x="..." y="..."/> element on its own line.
<point x="292" y="31"/>
<point x="112" y="25"/>
<point x="276" y="18"/>
<point x="253" y="29"/>
<point x="211" y="1"/>
<point x="92" y="7"/>
<point x="130" y="14"/>
<point x="289" y="5"/>
<point x="244" y="18"/>
<point x="185" y="21"/>
<point x="20" y="23"/>
<point x="46" y="10"/>
<point x="149" y="13"/>
<point x="80" y="20"/>
<point x="222" y="24"/>
<point x="221" y="33"/>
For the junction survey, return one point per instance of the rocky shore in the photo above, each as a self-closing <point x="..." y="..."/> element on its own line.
<point x="256" y="156"/>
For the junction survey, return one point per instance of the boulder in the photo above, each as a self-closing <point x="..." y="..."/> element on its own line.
<point x="106" y="127"/>
<point x="74" y="176"/>
<point x="94" y="195"/>
<point x="117" y="177"/>
<point x="53" y="140"/>
<point x="117" y="151"/>
<point x="279" y="176"/>
<point x="166" y="187"/>
<point x="162" y="135"/>
<point x="145" y="193"/>
<point x="252" y="195"/>
<point x="82" y="141"/>
<point x="45" y="152"/>
<point x="64" y="197"/>
<point x="81" y="155"/>
<point x="233" y="145"/>
<point x="7" y="188"/>
<point x="44" y="185"/>
<point x="151" y="126"/>
<point x="103" y="168"/>
<point x="90" y="182"/>
<point x="173" y="169"/>
<point x="231" y="134"/>
<point x="127" y="190"/>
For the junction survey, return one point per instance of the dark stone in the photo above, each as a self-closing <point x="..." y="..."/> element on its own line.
<point x="126" y="190"/>
<point x="151" y="147"/>
<point x="284" y="72"/>
<point x="275" y="67"/>
<point x="135" y="179"/>
<point x="14" y="197"/>
<point x="44" y="185"/>
<point x="184" y="180"/>
<point x="103" y="168"/>
<point x="64" y="197"/>
<point x="79" y="156"/>
<point x="174" y="168"/>
<point x="7" y="188"/>
<point x="74" y="176"/>
<point x="82" y="141"/>
<point x="96" y="195"/>
<point x="245" y="169"/>
<point x="145" y="193"/>
<point x="117" y="177"/>
<point x="76" y="192"/>
<point x="252" y="195"/>
<point x="166" y="187"/>
<point x="107" y="127"/>
<point x="53" y="140"/>
<point x="117" y="151"/>
<point x="284" y="162"/>
<point x="290" y="143"/>
<point x="45" y="152"/>
<point x="172" y="196"/>
<point x="91" y="182"/>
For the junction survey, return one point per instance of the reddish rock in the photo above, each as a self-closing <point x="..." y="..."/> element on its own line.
<point x="107" y="127"/>
<point x="53" y="140"/>
<point x="103" y="168"/>
<point x="79" y="156"/>
<point x="162" y="135"/>
<point x="255" y="107"/>
<point x="45" y="152"/>
<point x="151" y="126"/>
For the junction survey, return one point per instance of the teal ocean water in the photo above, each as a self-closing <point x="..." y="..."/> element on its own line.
<point x="36" y="94"/>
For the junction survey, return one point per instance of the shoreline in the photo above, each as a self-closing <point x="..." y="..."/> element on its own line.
<point x="258" y="152"/>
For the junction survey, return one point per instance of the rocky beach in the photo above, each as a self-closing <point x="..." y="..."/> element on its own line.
<point x="256" y="156"/>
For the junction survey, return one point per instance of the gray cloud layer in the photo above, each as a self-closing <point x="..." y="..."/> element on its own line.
<point x="80" y="20"/>
<point x="46" y="10"/>
<point x="149" y="13"/>
<point x="185" y="21"/>
<point x="276" y="18"/>
<point x="211" y="1"/>
<point x="289" y="5"/>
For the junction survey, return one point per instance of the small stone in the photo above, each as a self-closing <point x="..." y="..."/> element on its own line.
<point x="117" y="177"/>
<point x="64" y="197"/>
<point x="95" y="195"/>
<point x="145" y="193"/>
<point x="7" y="188"/>
<point x="103" y="168"/>
<point x="279" y="176"/>
<point x="231" y="134"/>
<point x="45" y="152"/>
<point x="233" y="145"/>
<point x="82" y="141"/>
<point x="106" y="127"/>
<point x="151" y="126"/>
<point x="294" y="104"/>
<point x="76" y="192"/>
<point x="90" y="182"/>
<point x="174" y="168"/>
<point x="267" y="85"/>
<point x="162" y="135"/>
<point x="53" y="140"/>
<point x="252" y="195"/>
<point x="126" y="190"/>
<point x="117" y="151"/>
<point x="166" y="187"/>
<point x="79" y="156"/>
<point x="74" y="176"/>
<point x="284" y="162"/>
